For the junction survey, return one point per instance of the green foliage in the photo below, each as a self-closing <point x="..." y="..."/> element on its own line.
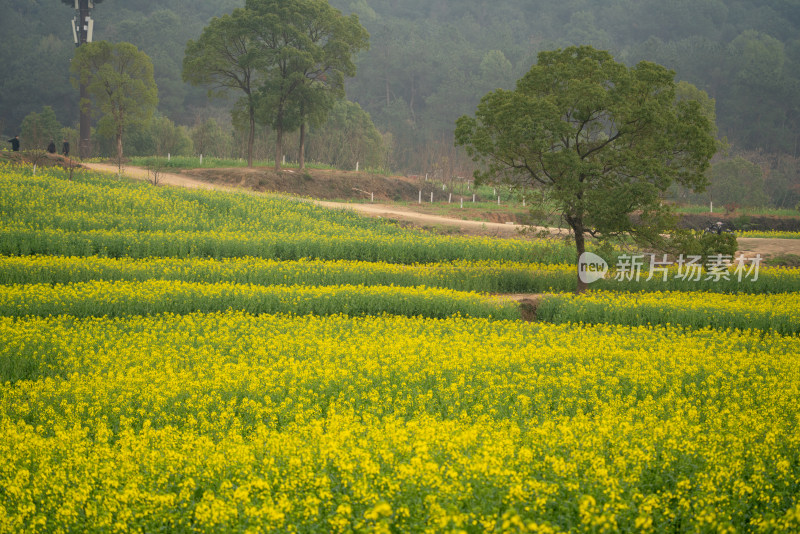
<point x="737" y="182"/>
<point x="782" y="184"/>
<point x="209" y="139"/>
<point x="598" y="140"/>
<point x="159" y="136"/>
<point x="304" y="51"/>
<point x="703" y="244"/>
<point x="120" y="79"/>
<point x="348" y="136"/>
<point x="38" y="129"/>
<point x="169" y="138"/>
<point x="426" y="64"/>
<point x="223" y="59"/>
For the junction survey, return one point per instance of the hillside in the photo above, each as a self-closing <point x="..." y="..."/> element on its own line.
<point x="430" y="62"/>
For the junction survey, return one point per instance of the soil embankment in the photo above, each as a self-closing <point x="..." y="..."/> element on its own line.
<point x="322" y="183"/>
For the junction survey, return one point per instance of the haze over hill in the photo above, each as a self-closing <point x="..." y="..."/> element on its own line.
<point x="431" y="61"/>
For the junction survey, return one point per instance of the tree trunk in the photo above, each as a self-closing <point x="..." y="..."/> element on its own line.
<point x="302" y="156"/>
<point x="119" y="152"/>
<point x="278" y="146"/>
<point x="85" y="120"/>
<point x="252" y="136"/>
<point x="580" y="248"/>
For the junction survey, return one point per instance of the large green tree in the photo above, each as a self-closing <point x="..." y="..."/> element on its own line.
<point x="225" y="59"/>
<point x="599" y="140"/>
<point x="305" y="49"/>
<point x="120" y="80"/>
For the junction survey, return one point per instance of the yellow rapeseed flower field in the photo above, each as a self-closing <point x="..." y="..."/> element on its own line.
<point x="778" y="312"/>
<point x="193" y="362"/>
<point x="97" y="216"/>
<point x="234" y="422"/>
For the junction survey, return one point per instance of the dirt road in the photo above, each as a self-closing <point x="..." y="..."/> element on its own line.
<point x="747" y="245"/>
<point x="374" y="210"/>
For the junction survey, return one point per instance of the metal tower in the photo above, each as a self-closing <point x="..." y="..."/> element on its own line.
<point x="82" y="30"/>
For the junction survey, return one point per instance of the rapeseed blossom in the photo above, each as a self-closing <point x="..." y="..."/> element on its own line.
<point x="92" y="216"/>
<point x="230" y="421"/>
<point x="777" y="312"/>
<point x="147" y="387"/>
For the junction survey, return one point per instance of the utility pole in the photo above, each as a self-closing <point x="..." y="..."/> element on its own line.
<point x="82" y="30"/>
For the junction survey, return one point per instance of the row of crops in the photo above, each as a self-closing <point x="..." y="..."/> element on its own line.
<point x="47" y="215"/>
<point x="190" y="361"/>
<point x="230" y="421"/>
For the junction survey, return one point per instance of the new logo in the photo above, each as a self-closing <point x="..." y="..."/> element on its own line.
<point x="591" y="267"/>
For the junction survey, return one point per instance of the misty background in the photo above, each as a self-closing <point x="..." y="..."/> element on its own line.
<point x="430" y="61"/>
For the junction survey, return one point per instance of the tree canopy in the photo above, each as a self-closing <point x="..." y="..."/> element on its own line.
<point x="596" y="139"/>
<point x="305" y="49"/>
<point x="224" y="59"/>
<point x="120" y="80"/>
<point x="38" y="129"/>
<point x="430" y="62"/>
<point x="288" y="57"/>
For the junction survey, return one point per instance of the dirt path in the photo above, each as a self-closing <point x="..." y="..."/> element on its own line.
<point x="164" y="178"/>
<point x="749" y="246"/>
<point x="374" y="210"/>
<point x="425" y="219"/>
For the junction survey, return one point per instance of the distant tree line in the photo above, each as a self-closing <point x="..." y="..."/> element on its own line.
<point x="430" y="62"/>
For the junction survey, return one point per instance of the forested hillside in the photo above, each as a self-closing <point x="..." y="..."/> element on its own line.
<point x="430" y="61"/>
